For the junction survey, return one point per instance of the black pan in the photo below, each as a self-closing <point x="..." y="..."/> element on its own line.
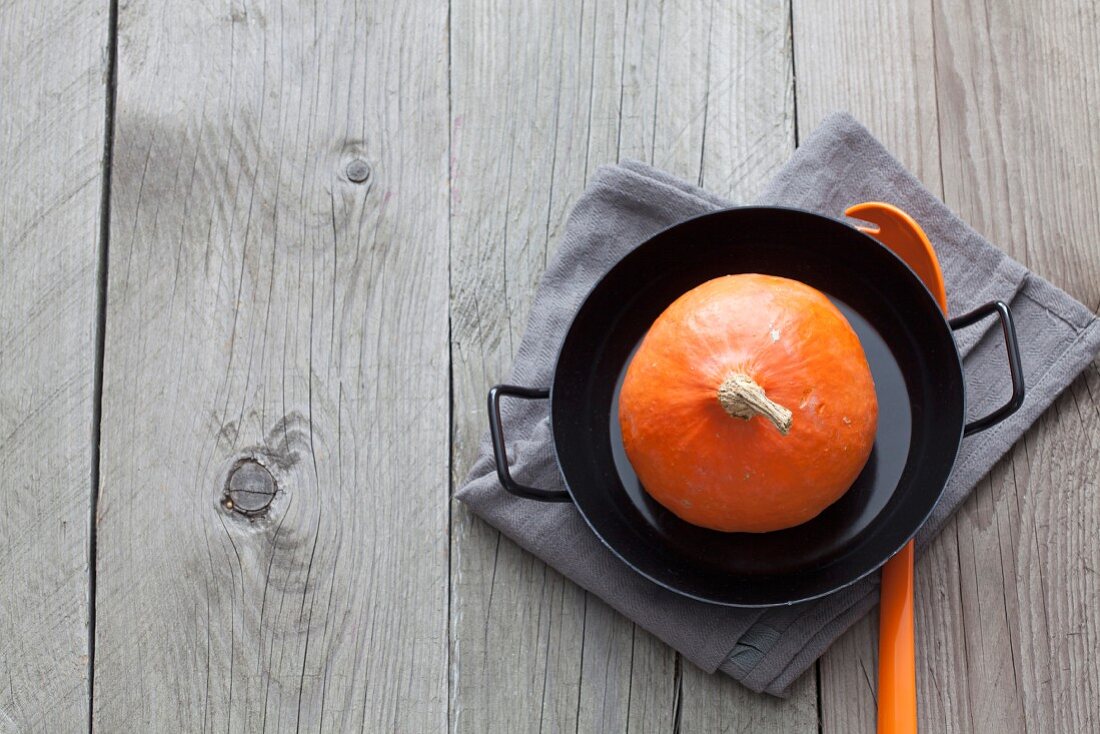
<point x="918" y="380"/>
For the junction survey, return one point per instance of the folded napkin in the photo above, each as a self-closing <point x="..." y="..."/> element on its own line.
<point x="839" y="165"/>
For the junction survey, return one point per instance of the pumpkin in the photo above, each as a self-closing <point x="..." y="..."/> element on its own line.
<point x="749" y="405"/>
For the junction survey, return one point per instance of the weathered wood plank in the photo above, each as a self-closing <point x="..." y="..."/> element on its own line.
<point x="987" y="656"/>
<point x="1018" y="89"/>
<point x="541" y="96"/>
<point x="747" y="131"/>
<point x="53" y="92"/>
<point x="876" y="60"/>
<point x="269" y="300"/>
<point x="717" y="703"/>
<point x="535" y="102"/>
<point x="1045" y="510"/>
<point x="1020" y="140"/>
<point x="611" y="80"/>
<point x="749" y="105"/>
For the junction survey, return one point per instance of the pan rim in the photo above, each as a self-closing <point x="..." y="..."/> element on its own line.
<point x="956" y="362"/>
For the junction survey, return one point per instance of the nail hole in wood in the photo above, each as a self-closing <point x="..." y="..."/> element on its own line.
<point x="357" y="171"/>
<point x="249" y="489"/>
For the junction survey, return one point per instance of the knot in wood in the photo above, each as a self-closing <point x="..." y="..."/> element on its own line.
<point x="357" y="171"/>
<point x="249" y="489"/>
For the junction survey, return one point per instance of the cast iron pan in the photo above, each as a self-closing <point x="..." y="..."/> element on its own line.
<point x="918" y="380"/>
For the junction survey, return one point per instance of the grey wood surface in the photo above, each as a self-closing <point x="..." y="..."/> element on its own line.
<point x="954" y="95"/>
<point x="539" y="99"/>
<point x="877" y="60"/>
<point x="262" y="305"/>
<point x="1020" y="143"/>
<point x="52" y="121"/>
<point x="326" y="226"/>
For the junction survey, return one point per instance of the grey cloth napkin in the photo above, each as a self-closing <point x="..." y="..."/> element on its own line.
<point x="839" y="165"/>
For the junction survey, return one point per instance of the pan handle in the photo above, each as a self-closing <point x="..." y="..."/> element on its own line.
<point x="496" y="432"/>
<point x="1012" y="347"/>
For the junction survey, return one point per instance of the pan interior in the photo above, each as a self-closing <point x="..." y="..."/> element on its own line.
<point x="917" y="380"/>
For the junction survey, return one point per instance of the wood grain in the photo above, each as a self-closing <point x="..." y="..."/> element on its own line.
<point x="716" y="703"/>
<point x="535" y="99"/>
<point x="540" y="97"/>
<point x="746" y="132"/>
<point x="52" y="119"/>
<point x="1052" y="598"/>
<point x="1018" y="93"/>
<point x="1020" y="141"/>
<point x="986" y="655"/>
<point x="876" y="60"/>
<point x="263" y="305"/>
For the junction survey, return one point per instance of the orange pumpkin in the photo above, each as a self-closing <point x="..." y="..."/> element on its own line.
<point x="749" y="405"/>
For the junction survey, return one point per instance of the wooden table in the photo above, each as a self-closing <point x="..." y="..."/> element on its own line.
<point x="308" y="237"/>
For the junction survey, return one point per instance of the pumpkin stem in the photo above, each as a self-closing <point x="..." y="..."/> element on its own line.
<point x="741" y="397"/>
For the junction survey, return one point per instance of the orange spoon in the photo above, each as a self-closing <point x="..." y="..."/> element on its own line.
<point x="897" y="675"/>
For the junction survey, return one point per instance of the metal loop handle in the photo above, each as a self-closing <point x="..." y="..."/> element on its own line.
<point x="496" y="432"/>
<point x="1012" y="347"/>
